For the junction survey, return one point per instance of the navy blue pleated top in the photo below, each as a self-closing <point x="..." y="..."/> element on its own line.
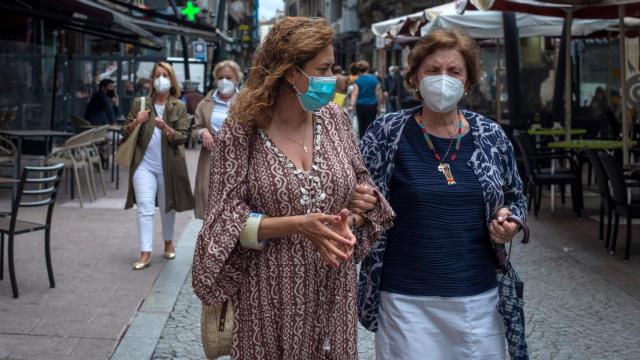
<point x="439" y="245"/>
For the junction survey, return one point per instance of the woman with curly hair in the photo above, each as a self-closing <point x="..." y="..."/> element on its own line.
<point x="277" y="239"/>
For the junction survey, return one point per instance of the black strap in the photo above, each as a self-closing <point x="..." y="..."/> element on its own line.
<point x="223" y="315"/>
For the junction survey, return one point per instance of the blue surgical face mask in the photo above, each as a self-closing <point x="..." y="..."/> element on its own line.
<point x="319" y="92"/>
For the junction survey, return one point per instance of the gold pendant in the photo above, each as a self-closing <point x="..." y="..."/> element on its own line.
<point x="305" y="148"/>
<point x="446" y="170"/>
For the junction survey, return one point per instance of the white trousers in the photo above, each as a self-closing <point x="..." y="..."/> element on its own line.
<point x="437" y="328"/>
<point x="146" y="185"/>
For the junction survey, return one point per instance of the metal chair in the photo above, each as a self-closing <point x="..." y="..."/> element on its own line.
<point x="537" y="177"/>
<point x="606" y="202"/>
<point x="41" y="182"/>
<point x="623" y="203"/>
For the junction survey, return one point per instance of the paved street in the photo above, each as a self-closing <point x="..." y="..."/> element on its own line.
<point x="181" y="336"/>
<point x="97" y="293"/>
<point x="581" y="302"/>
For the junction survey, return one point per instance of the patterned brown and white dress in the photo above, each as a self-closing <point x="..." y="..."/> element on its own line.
<point x="288" y="303"/>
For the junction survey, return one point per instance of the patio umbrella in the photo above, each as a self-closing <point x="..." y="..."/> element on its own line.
<point x="490" y="24"/>
<point x="578" y="9"/>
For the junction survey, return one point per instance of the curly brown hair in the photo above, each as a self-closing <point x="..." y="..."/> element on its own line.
<point x="291" y="42"/>
<point x="444" y="40"/>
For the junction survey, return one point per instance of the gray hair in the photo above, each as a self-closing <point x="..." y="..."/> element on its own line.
<point x="231" y="65"/>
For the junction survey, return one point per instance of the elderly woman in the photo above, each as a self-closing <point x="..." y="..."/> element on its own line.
<point x="277" y="239"/>
<point x="430" y="287"/>
<point x="159" y="169"/>
<point x="209" y="116"/>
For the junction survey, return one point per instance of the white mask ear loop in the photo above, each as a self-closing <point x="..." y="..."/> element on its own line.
<point x="294" y="85"/>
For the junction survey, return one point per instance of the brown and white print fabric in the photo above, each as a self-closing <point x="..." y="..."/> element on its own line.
<point x="288" y="303"/>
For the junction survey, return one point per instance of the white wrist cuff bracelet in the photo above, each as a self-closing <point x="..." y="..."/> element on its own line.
<point x="249" y="234"/>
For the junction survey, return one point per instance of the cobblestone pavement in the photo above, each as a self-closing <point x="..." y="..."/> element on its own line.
<point x="181" y="336"/>
<point x="572" y="312"/>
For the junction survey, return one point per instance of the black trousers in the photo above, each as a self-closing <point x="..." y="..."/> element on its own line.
<point x="366" y="115"/>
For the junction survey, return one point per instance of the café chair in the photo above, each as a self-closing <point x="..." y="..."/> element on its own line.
<point x="39" y="185"/>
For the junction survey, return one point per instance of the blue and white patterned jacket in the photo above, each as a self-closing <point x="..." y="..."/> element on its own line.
<point x="493" y="161"/>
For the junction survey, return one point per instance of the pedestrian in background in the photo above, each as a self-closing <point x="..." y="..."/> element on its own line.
<point x="354" y="72"/>
<point x="191" y="96"/>
<point x="277" y="239"/>
<point x="407" y="98"/>
<point x="366" y="96"/>
<point x="143" y="87"/>
<point x="209" y="118"/>
<point x="430" y="287"/>
<point x="342" y="86"/>
<point x="103" y="106"/>
<point x="391" y="88"/>
<point x="159" y="170"/>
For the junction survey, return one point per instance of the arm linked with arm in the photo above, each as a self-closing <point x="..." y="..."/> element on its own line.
<point x="379" y="219"/>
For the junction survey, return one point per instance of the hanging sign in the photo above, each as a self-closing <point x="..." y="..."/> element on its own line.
<point x="190" y="11"/>
<point x="200" y="50"/>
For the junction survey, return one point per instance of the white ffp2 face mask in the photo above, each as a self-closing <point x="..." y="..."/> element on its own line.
<point x="441" y="93"/>
<point x="162" y="84"/>
<point x="226" y="87"/>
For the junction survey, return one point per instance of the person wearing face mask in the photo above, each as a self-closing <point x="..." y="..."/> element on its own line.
<point x="103" y="109"/>
<point x="429" y="289"/>
<point x="277" y="240"/>
<point x="158" y="170"/>
<point x="209" y="117"/>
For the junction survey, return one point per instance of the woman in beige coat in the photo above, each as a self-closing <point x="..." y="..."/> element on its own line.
<point x="209" y="116"/>
<point x="158" y="172"/>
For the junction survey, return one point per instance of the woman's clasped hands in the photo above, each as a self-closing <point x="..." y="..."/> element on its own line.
<point x="330" y="235"/>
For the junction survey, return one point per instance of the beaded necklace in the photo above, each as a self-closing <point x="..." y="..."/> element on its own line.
<point x="443" y="167"/>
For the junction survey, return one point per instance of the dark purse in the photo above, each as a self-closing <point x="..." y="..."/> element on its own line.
<point x="511" y="301"/>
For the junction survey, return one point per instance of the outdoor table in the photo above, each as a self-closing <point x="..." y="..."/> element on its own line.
<point x="115" y="169"/>
<point x="581" y="144"/>
<point x="595" y="144"/>
<point x="20" y="135"/>
<point x="555" y="132"/>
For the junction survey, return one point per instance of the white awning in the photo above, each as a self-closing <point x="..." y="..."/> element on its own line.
<point x="393" y="26"/>
<point x="488" y="24"/>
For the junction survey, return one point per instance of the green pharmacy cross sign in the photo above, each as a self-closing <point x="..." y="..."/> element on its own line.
<point x="190" y="11"/>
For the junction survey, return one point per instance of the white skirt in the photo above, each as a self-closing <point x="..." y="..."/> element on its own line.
<point x="439" y="328"/>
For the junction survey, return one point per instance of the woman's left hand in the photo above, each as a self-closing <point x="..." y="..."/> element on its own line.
<point x="501" y="230"/>
<point x="342" y="228"/>
<point x="363" y="199"/>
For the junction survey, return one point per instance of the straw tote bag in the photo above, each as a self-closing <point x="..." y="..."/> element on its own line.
<point x="216" y="323"/>
<point x="124" y="155"/>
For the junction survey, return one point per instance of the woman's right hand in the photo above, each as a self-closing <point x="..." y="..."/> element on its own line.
<point x="363" y="200"/>
<point x="207" y="139"/>
<point x="142" y="116"/>
<point x="317" y="228"/>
